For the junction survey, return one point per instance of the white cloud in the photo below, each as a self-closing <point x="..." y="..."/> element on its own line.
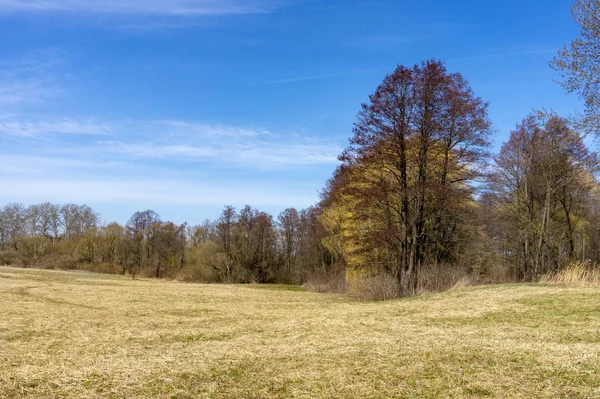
<point x="147" y="162"/>
<point x="205" y="130"/>
<point x="223" y="145"/>
<point x="157" y="7"/>
<point x="179" y="142"/>
<point x="33" y="91"/>
<point x="82" y="126"/>
<point x="31" y="79"/>
<point x="24" y="164"/>
<point x="260" y="155"/>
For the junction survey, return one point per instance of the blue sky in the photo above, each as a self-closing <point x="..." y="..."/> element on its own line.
<point x="184" y="106"/>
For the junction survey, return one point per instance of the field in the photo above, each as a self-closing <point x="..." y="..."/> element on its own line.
<point x="81" y="335"/>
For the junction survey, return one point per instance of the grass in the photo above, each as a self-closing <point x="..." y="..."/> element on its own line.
<point x="578" y="273"/>
<point x="83" y="335"/>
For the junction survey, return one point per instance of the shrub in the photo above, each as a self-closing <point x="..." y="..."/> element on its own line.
<point x="442" y="277"/>
<point x="497" y="273"/>
<point x="12" y="258"/>
<point x="367" y="286"/>
<point x="105" y="267"/>
<point x="204" y="264"/>
<point x="323" y="281"/>
<point x="58" y="261"/>
<point x="379" y="287"/>
<point x="33" y="247"/>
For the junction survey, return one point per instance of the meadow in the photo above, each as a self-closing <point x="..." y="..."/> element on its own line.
<point x="84" y="335"/>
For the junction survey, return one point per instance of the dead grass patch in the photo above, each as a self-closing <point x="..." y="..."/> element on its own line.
<point x="80" y="335"/>
<point x="578" y="274"/>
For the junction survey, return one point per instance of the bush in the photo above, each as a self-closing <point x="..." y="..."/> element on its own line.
<point x="12" y="258"/>
<point x="197" y="274"/>
<point x="378" y="287"/>
<point x="105" y="268"/>
<point x="58" y="261"/>
<point x="203" y="264"/>
<point x="367" y="286"/>
<point x="497" y="273"/>
<point x="442" y="277"/>
<point x="33" y="247"/>
<point x="322" y="281"/>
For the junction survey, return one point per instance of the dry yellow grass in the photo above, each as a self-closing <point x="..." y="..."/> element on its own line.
<point x="578" y="274"/>
<point x="82" y="335"/>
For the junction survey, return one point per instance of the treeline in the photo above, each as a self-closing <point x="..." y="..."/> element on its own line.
<point x="417" y="204"/>
<point x="238" y="247"/>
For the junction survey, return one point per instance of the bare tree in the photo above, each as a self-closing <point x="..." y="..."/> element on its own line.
<point x="113" y="239"/>
<point x="140" y="237"/>
<point x="290" y="230"/>
<point x="579" y="62"/>
<point x="544" y="175"/>
<point x="201" y="233"/>
<point x="14" y="216"/>
<point x="169" y="247"/>
<point x="225" y="228"/>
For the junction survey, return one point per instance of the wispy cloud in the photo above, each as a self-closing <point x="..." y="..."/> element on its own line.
<point x="303" y="78"/>
<point x="177" y="141"/>
<point x="500" y="55"/>
<point x="81" y="126"/>
<point x="38" y="165"/>
<point x="157" y="7"/>
<point x="147" y="163"/>
<point x="143" y="162"/>
<point x="258" y="154"/>
<point x="221" y="145"/>
<point x="34" y="91"/>
<point x="206" y="130"/>
<point x="30" y="79"/>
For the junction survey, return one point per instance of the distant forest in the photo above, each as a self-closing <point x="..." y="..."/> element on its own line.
<point x="417" y="204"/>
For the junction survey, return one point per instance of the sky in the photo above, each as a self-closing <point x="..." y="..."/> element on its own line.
<point x="184" y="106"/>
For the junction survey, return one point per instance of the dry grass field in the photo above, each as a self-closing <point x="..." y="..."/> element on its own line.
<point x="81" y="335"/>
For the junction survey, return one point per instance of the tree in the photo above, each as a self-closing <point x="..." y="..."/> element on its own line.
<point x="169" y="247"/>
<point x="254" y="245"/>
<point x="89" y="244"/>
<point x="200" y="234"/>
<point x="33" y="218"/>
<point x="14" y="220"/>
<point x="313" y="256"/>
<point x="579" y="63"/>
<point x="68" y="216"/>
<point x="416" y="147"/>
<point x="289" y="224"/>
<point x="112" y="243"/>
<point x="140" y="238"/>
<point x="225" y="229"/>
<point x="542" y="183"/>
